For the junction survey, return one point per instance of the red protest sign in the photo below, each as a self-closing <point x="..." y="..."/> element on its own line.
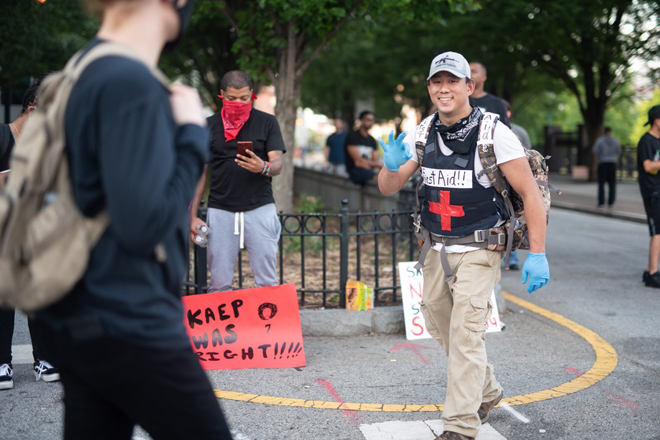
<point x="250" y="328"/>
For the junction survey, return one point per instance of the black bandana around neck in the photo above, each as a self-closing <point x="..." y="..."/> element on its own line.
<point x="461" y="136"/>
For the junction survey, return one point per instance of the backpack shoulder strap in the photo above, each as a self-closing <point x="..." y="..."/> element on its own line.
<point x="486" y="149"/>
<point x="82" y="60"/>
<point x="421" y="136"/>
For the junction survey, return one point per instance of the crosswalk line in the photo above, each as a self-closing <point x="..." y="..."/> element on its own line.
<point x="418" y="430"/>
<point x="21" y="354"/>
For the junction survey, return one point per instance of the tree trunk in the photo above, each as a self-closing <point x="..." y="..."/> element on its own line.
<point x="287" y="89"/>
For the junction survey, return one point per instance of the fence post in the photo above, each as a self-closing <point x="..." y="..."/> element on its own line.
<point x="343" y="253"/>
<point x="200" y="258"/>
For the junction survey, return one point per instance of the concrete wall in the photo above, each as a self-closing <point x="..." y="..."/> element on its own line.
<point x="331" y="189"/>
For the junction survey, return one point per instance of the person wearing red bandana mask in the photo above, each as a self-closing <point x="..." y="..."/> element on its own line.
<point x="241" y="207"/>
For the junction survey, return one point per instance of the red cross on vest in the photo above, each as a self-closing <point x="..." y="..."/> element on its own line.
<point x="445" y="210"/>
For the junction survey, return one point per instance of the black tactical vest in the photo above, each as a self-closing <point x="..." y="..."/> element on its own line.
<point x="455" y="203"/>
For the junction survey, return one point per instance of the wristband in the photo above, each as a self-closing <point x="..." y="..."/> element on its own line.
<point x="266" y="170"/>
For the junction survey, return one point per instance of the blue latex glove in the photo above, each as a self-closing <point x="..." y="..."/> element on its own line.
<point x="537" y="269"/>
<point x="396" y="152"/>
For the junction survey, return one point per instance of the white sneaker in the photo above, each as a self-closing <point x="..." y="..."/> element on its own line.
<point x="44" y="370"/>
<point x="6" y="377"/>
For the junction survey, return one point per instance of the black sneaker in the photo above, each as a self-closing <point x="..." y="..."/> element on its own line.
<point x="653" y="280"/>
<point x="6" y="377"/>
<point x="645" y="276"/>
<point x="44" y="370"/>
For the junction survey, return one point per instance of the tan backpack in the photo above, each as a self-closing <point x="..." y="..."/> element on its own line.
<point x="45" y="240"/>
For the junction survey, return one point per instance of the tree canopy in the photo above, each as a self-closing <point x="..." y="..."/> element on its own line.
<point x="39" y="37"/>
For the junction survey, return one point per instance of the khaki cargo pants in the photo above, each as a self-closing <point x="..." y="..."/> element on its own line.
<point x="455" y="315"/>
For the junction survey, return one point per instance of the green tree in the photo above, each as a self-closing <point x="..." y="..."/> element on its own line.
<point x="205" y="54"/>
<point x="278" y="39"/>
<point x="588" y="45"/>
<point x="642" y="110"/>
<point x="38" y="37"/>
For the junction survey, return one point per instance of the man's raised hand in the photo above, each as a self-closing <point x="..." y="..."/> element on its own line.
<point x="396" y="151"/>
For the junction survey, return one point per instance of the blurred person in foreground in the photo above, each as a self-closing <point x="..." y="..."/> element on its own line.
<point x="459" y="269"/>
<point x="648" y="165"/>
<point x="135" y="149"/>
<point x="607" y="149"/>
<point x="43" y="370"/>
<point x="242" y="212"/>
<point x="361" y="150"/>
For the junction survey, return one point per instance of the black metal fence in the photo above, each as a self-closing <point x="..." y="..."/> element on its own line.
<point x="320" y="252"/>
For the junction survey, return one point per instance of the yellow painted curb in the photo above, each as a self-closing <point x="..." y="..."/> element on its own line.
<point x="606" y="360"/>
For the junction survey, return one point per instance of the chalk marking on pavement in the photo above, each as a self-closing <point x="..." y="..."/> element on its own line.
<point x="619" y="399"/>
<point x="606" y="360"/>
<point x="352" y="416"/>
<point x="515" y="413"/>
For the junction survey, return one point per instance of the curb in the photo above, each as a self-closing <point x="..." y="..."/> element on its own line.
<point x="340" y="322"/>
<point x="602" y="212"/>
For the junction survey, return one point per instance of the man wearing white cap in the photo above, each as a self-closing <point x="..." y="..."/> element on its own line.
<point x="458" y="213"/>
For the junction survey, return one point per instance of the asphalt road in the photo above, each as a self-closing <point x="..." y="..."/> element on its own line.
<point x="596" y="269"/>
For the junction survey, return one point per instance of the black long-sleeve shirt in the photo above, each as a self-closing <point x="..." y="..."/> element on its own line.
<point x="127" y="155"/>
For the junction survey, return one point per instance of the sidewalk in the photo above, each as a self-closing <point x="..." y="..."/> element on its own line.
<point x="582" y="196"/>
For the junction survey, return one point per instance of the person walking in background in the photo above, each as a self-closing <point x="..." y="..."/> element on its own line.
<point x="607" y="149"/>
<point x="136" y="147"/>
<point x="361" y="151"/>
<point x="648" y="165"/>
<point x="9" y="134"/>
<point x="335" y="161"/>
<point x="242" y="211"/>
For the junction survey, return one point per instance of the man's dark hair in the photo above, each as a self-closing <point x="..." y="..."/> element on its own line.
<point x="30" y="95"/>
<point x="365" y="113"/>
<point x="507" y="105"/>
<point x="608" y="130"/>
<point x="236" y="79"/>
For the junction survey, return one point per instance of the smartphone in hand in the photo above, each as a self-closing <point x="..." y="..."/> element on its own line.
<point x="243" y="147"/>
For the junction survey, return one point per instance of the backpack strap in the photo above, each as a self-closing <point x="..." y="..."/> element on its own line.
<point x="422" y="234"/>
<point x="486" y="149"/>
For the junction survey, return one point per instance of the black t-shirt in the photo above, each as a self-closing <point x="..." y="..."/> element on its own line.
<point x="647" y="148"/>
<point x="127" y="155"/>
<point x="366" y="146"/>
<point x="233" y="188"/>
<point x="493" y="104"/>
<point x="7" y="143"/>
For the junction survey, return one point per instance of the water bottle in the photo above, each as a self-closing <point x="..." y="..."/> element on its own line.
<point x="203" y="230"/>
<point x="201" y="240"/>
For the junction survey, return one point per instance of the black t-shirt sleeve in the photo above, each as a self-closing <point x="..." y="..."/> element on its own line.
<point x="275" y="141"/>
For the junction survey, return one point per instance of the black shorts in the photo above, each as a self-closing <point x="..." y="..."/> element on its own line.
<point x="361" y="175"/>
<point x="652" y="208"/>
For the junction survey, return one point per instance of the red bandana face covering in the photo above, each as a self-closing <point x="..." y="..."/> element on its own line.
<point x="234" y="115"/>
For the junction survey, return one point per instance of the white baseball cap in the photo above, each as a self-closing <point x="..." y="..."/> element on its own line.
<point x="452" y="62"/>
